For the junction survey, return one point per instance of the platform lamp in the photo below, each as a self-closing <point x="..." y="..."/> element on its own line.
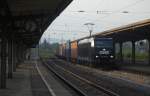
<point x="90" y="27"/>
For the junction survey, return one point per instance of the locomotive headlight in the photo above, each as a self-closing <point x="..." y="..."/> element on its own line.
<point x="97" y="56"/>
<point x="111" y="56"/>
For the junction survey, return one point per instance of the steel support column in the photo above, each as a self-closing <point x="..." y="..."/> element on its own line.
<point x="24" y="54"/>
<point x="121" y="55"/>
<point x="14" y="57"/>
<point x="10" y="59"/>
<point x="21" y="53"/>
<point x="149" y="51"/>
<point x="17" y="54"/>
<point x="133" y="52"/>
<point x="3" y="62"/>
<point x="114" y="48"/>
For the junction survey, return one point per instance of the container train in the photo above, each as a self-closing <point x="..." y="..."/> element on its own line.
<point x="93" y="51"/>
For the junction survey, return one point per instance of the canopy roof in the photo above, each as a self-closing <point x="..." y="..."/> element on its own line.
<point x="30" y="18"/>
<point x="131" y="32"/>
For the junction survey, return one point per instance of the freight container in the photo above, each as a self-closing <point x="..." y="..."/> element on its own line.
<point x="74" y="51"/>
<point x="86" y="51"/>
<point x="64" y="50"/>
<point x="68" y="50"/>
<point x="60" y="50"/>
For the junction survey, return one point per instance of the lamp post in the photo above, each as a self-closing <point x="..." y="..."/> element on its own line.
<point x="90" y="27"/>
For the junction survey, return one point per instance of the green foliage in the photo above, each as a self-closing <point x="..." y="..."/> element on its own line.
<point x="127" y="53"/>
<point x="139" y="55"/>
<point x="47" y="50"/>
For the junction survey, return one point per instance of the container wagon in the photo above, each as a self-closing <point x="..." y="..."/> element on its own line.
<point x="74" y="51"/>
<point x="68" y="50"/>
<point x="62" y="51"/>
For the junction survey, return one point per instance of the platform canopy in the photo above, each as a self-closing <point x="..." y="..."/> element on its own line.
<point x="131" y="32"/>
<point x="26" y="20"/>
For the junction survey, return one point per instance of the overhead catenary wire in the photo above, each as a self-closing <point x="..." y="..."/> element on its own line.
<point x="106" y="14"/>
<point x="120" y="10"/>
<point x="109" y="13"/>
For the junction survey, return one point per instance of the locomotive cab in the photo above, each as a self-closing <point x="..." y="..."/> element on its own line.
<point x="104" y="53"/>
<point x="96" y="51"/>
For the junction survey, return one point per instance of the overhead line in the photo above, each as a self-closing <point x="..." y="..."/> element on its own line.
<point x="122" y="8"/>
<point x="70" y="31"/>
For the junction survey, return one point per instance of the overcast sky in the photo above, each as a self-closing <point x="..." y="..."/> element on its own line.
<point x="104" y="14"/>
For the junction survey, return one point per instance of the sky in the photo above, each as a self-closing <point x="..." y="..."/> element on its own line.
<point x="103" y="14"/>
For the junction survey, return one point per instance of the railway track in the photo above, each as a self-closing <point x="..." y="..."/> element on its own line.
<point x="121" y="87"/>
<point x="81" y="85"/>
<point x="65" y="81"/>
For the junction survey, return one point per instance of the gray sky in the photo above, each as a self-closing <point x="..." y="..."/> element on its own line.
<point x="111" y="14"/>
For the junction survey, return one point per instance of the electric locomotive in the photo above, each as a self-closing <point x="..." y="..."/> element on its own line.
<point x="96" y="51"/>
<point x="104" y="51"/>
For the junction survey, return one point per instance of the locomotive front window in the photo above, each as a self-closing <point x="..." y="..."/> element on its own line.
<point x="103" y="43"/>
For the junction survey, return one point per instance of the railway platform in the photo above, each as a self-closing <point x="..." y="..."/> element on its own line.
<point x="138" y="69"/>
<point x="25" y="82"/>
<point x="54" y="84"/>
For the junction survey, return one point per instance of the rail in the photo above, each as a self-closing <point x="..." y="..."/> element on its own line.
<point x="106" y="91"/>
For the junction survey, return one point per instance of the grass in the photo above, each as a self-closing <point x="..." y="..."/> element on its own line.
<point x="127" y="54"/>
<point x="46" y="53"/>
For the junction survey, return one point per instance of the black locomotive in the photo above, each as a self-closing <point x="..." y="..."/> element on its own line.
<point x="96" y="51"/>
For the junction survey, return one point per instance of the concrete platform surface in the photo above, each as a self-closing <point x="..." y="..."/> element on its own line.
<point x="139" y="69"/>
<point x="26" y="82"/>
<point x="57" y="88"/>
